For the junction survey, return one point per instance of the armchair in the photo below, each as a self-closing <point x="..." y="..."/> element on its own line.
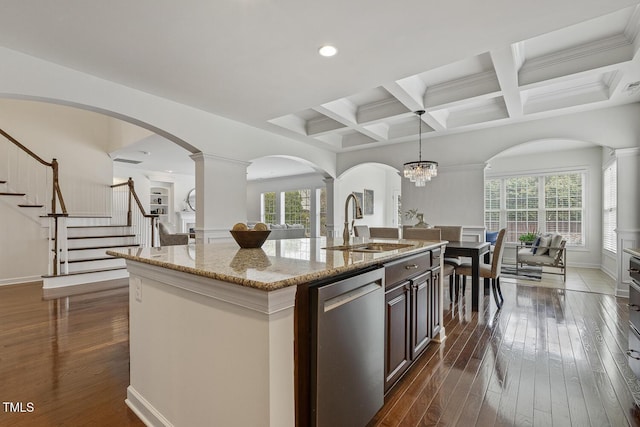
<point x="167" y="238"/>
<point x="550" y="253"/>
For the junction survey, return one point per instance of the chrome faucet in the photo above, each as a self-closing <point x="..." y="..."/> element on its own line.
<point x="346" y="234"/>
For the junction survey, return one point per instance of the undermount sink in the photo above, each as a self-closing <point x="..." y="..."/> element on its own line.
<point x="369" y="247"/>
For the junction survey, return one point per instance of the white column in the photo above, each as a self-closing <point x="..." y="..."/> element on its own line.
<point x="221" y="195"/>
<point x="331" y="219"/>
<point x="628" y="219"/>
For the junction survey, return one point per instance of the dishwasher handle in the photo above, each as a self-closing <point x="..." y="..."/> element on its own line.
<point x="347" y="297"/>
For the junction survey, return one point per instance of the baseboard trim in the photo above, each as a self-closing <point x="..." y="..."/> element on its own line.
<point x="66" y="291"/>
<point x="82" y="278"/>
<point x="144" y="410"/>
<point x="20" y="280"/>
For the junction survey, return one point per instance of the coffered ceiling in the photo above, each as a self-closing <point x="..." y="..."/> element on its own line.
<point x="469" y="64"/>
<point x="592" y="64"/>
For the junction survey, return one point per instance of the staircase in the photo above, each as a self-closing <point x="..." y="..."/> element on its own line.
<point x="77" y="244"/>
<point x="88" y="239"/>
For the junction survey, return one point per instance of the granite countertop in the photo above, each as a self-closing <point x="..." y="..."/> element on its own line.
<point x="633" y="251"/>
<point x="278" y="264"/>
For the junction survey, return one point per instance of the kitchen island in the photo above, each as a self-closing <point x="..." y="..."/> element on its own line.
<point x="213" y="327"/>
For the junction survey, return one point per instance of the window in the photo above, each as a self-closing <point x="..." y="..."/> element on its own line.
<point x="323" y="212"/>
<point x="610" y="206"/>
<point x="492" y="204"/>
<point x="563" y="206"/>
<point x="522" y="201"/>
<point x="297" y="206"/>
<point x="269" y="212"/>
<point x="536" y="203"/>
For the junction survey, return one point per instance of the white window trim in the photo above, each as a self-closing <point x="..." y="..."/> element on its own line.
<point x="586" y="182"/>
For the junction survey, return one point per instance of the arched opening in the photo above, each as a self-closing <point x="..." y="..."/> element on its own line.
<point x="289" y="194"/>
<point x="548" y="186"/>
<point x="379" y="187"/>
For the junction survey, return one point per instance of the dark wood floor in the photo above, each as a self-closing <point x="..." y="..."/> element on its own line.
<point x="547" y="358"/>
<point x="69" y="357"/>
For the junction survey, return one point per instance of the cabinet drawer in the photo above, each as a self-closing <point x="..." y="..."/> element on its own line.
<point x="435" y="256"/>
<point x="405" y="268"/>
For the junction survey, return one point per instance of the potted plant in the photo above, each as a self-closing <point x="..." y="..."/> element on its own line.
<point x="528" y="238"/>
<point x="413" y="213"/>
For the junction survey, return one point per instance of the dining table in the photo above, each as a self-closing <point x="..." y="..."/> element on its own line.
<point x="472" y="250"/>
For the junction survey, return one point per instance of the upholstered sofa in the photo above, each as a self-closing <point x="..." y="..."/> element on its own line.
<point x="547" y="251"/>
<point x="284" y="231"/>
<point x="169" y="238"/>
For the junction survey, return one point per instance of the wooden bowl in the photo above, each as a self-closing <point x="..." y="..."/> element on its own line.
<point x="250" y="239"/>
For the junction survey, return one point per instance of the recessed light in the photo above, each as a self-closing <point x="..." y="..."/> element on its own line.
<point x="327" y="50"/>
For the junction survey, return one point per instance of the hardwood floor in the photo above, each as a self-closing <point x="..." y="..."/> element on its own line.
<point x="69" y="357"/>
<point x="549" y="357"/>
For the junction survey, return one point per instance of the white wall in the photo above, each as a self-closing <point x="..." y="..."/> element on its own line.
<point x="379" y="178"/>
<point x="451" y="198"/>
<point x="76" y="138"/>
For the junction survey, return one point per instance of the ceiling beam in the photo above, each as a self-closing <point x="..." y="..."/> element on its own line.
<point x="506" y="65"/>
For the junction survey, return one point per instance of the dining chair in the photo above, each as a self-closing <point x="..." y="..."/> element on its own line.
<point x="452" y="233"/>
<point x="361" y="230"/>
<point x="384" y="232"/>
<point x="422" y="234"/>
<point x="488" y="271"/>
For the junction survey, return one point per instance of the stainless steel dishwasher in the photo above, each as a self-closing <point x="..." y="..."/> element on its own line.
<point x="347" y="350"/>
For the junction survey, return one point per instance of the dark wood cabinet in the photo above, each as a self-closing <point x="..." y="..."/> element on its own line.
<point x="412" y="300"/>
<point x="434" y="299"/>
<point x="420" y="313"/>
<point x="397" y="328"/>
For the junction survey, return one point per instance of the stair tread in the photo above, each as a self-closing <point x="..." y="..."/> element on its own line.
<point x="3" y="182"/>
<point x="97" y="226"/>
<point x="104" y="247"/>
<point x="73" y="261"/>
<point x="11" y="194"/>
<point x="101" y="237"/>
<point x="75" y="273"/>
<point x="31" y="206"/>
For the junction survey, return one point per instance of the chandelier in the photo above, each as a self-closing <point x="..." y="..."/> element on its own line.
<point x="423" y="170"/>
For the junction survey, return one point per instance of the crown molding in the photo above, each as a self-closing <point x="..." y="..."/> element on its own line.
<point x="627" y="152"/>
<point x="575" y="53"/>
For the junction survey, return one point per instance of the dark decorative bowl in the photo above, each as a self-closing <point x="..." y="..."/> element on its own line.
<point x="250" y="239"/>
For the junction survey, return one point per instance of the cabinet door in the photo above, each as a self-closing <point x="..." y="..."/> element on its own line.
<point x="420" y="313"/>
<point x="397" y="323"/>
<point x="435" y="301"/>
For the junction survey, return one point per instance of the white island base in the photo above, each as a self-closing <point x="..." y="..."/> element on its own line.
<point x="208" y="353"/>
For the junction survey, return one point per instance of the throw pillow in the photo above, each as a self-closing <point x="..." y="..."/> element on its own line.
<point x="556" y="239"/>
<point x="543" y="249"/>
<point x="535" y="245"/>
<point x="491" y="236"/>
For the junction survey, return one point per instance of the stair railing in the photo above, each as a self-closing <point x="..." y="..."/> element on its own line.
<point x="56" y="192"/>
<point x="125" y="211"/>
<point x="24" y="178"/>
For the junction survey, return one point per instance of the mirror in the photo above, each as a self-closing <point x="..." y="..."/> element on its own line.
<point x="191" y="199"/>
